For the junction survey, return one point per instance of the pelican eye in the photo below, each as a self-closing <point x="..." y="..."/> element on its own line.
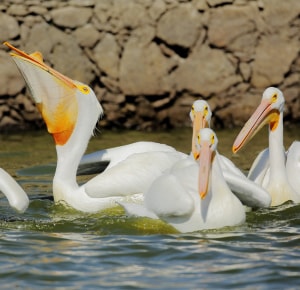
<point x="84" y="89"/>
<point x="205" y="111"/>
<point x="212" y="139"/>
<point x="198" y="137"/>
<point x="192" y="113"/>
<point x="274" y="98"/>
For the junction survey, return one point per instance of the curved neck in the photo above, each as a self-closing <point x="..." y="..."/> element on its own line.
<point x="277" y="152"/>
<point x="64" y="181"/>
<point x="217" y="184"/>
<point x="68" y="159"/>
<point x="67" y="162"/>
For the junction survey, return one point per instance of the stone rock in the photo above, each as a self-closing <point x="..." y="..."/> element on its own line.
<point x="239" y="111"/>
<point x="234" y="27"/>
<point x="181" y="32"/>
<point x="17" y="10"/>
<point x="48" y="4"/>
<point x="4" y="108"/>
<point x="115" y="15"/>
<point x="148" y="60"/>
<point x="145" y="3"/>
<point x="274" y="55"/>
<point x="278" y="13"/>
<point x="110" y="84"/>
<point x="172" y="3"/>
<point x="130" y="13"/>
<point x="80" y="69"/>
<point x="292" y="96"/>
<point x="145" y="34"/>
<point x="39" y="10"/>
<point x="11" y="81"/>
<point x="32" y="20"/>
<point x="201" y="5"/>
<point x="26" y="104"/>
<point x="7" y="122"/>
<point x="84" y="3"/>
<point x="9" y="27"/>
<point x="71" y="16"/>
<point x="87" y="35"/>
<point x="207" y="71"/>
<point x="103" y="10"/>
<point x="292" y="80"/>
<point x="32" y="117"/>
<point x="213" y="3"/>
<point x="106" y="54"/>
<point x="145" y="109"/>
<point x="179" y="112"/>
<point x="144" y="69"/>
<point x="218" y="2"/>
<point x="157" y="9"/>
<point x="161" y="103"/>
<point x="36" y="39"/>
<point x="245" y="71"/>
<point x="54" y="48"/>
<point x="15" y="115"/>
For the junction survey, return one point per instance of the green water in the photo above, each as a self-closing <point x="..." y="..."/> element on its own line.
<point x="51" y="247"/>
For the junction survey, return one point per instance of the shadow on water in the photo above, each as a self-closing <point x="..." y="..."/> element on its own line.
<point x="44" y="216"/>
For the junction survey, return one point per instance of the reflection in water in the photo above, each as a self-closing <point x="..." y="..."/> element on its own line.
<point x="53" y="247"/>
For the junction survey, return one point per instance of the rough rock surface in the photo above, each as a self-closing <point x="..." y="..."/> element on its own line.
<point x="148" y="60"/>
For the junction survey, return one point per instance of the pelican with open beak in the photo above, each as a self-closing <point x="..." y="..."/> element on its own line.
<point x="70" y="110"/>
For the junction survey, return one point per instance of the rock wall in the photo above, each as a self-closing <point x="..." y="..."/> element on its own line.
<point x="148" y="60"/>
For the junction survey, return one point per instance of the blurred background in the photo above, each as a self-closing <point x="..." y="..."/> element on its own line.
<point x="148" y="60"/>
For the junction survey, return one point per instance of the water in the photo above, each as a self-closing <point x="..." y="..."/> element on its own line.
<point x="51" y="247"/>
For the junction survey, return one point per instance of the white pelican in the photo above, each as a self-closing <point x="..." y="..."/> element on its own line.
<point x="247" y="191"/>
<point x="101" y="160"/>
<point x="269" y="169"/>
<point x="105" y="159"/>
<point x="174" y="196"/>
<point x="70" y="110"/>
<point x="14" y="193"/>
<point x="293" y="165"/>
<point x="200" y="116"/>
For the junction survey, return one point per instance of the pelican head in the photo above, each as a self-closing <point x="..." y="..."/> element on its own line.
<point x="268" y="112"/>
<point x="200" y="115"/>
<point x="59" y="99"/>
<point x="207" y="142"/>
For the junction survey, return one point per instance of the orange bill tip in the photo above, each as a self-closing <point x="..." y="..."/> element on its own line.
<point x="37" y="59"/>
<point x="196" y="155"/>
<point x="203" y="194"/>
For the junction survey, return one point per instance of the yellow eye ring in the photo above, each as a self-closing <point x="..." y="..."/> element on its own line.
<point x="84" y="89"/>
<point x="274" y="98"/>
